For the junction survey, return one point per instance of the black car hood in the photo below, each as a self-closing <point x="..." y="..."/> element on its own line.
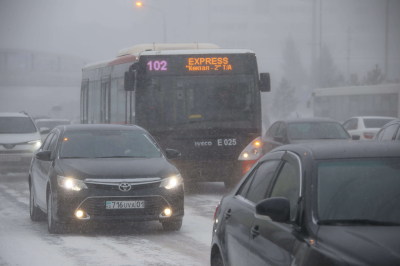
<point x="300" y="141"/>
<point x="362" y="245"/>
<point x="111" y="168"/>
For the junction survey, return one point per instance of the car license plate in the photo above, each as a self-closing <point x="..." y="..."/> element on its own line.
<point x="136" y="204"/>
<point x="10" y="158"/>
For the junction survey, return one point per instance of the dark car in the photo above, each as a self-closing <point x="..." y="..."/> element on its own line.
<point x="322" y="203"/>
<point x="85" y="173"/>
<point x="390" y="131"/>
<point x="293" y="131"/>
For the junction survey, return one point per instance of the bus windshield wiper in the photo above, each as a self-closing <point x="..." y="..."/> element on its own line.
<point x="357" y="222"/>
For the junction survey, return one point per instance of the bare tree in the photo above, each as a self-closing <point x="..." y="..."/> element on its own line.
<point x="284" y="102"/>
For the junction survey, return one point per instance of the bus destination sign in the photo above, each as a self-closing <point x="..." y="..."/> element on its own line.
<point x="227" y="64"/>
<point x="208" y="63"/>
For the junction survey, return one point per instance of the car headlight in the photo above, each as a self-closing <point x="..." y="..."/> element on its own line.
<point x="70" y="183"/>
<point x="36" y="143"/>
<point x="171" y="182"/>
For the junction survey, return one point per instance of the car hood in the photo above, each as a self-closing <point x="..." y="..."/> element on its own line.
<point x="116" y="168"/>
<point x="300" y="141"/>
<point x="362" y="245"/>
<point x="18" y="138"/>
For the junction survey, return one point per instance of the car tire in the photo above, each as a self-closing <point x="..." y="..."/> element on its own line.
<point x="173" y="225"/>
<point x="53" y="226"/>
<point x="34" y="211"/>
<point x="216" y="260"/>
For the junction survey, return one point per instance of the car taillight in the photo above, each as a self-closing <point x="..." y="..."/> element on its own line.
<point x="216" y="210"/>
<point x="369" y="135"/>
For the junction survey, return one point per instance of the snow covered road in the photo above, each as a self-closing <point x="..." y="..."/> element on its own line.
<point x="23" y="242"/>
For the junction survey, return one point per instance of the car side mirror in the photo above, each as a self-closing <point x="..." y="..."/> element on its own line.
<point x="172" y="154"/>
<point x="44" y="130"/>
<point x="355" y="137"/>
<point x="43" y="155"/>
<point x="129" y="81"/>
<point x="277" y="209"/>
<point x="265" y="82"/>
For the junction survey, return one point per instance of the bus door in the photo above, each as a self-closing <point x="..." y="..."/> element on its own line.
<point x="84" y="101"/>
<point x="105" y="101"/>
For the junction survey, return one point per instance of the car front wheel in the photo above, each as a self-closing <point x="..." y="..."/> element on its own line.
<point x="53" y="226"/>
<point x="34" y="211"/>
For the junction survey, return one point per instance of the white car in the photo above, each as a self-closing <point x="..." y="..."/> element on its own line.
<point x="47" y="124"/>
<point x="19" y="139"/>
<point x="366" y="126"/>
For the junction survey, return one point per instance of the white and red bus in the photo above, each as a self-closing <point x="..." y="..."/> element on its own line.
<point x="196" y="98"/>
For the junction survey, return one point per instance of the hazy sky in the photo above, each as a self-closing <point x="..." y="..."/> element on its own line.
<point x="97" y="29"/>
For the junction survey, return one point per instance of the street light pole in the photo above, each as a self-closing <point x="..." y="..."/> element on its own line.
<point x="139" y="4"/>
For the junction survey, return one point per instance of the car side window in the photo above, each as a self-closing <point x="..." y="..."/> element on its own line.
<point x="346" y="124"/>
<point x="272" y="130"/>
<point x="282" y="131"/>
<point x="352" y="124"/>
<point x="246" y="184"/>
<point x="47" y="142"/>
<point x="261" y="181"/>
<point x="389" y="132"/>
<point x="287" y="185"/>
<point x="52" y="146"/>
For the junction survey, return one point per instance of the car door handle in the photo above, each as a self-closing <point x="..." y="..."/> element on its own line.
<point x="228" y="214"/>
<point x="254" y="231"/>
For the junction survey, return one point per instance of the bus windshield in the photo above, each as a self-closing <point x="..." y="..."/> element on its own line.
<point x="167" y="102"/>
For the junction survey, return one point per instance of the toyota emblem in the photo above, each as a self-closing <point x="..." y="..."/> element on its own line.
<point x="124" y="187"/>
<point x="9" y="146"/>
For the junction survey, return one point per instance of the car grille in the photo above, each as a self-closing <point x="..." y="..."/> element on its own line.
<point x="116" y="188"/>
<point x="154" y="205"/>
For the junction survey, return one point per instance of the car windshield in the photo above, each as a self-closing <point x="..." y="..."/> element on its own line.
<point x="317" y="130"/>
<point x="359" y="190"/>
<point x="375" y="122"/>
<point x="16" y="125"/>
<point x="51" y="124"/>
<point x="108" y="144"/>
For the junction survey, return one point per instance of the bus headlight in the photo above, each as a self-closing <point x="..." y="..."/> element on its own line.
<point x="70" y="183"/>
<point x="253" y="151"/>
<point x="171" y="182"/>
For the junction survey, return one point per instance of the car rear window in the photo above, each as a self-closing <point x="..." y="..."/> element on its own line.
<point x="317" y="130"/>
<point x="375" y="123"/>
<point x="108" y="144"/>
<point x="16" y="125"/>
<point x="359" y="189"/>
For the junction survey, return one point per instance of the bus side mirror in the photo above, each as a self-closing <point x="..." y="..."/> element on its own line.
<point x="265" y="82"/>
<point x="129" y="81"/>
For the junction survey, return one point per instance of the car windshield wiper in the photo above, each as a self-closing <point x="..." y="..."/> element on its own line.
<point x="123" y="157"/>
<point x="75" y="157"/>
<point x="357" y="222"/>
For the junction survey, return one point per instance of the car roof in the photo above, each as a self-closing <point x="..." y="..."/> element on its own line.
<point x="13" y="114"/>
<point x="308" y="119"/>
<point x="345" y="149"/>
<point x="96" y="127"/>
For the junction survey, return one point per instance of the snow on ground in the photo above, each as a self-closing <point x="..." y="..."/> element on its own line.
<point x="23" y="242"/>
